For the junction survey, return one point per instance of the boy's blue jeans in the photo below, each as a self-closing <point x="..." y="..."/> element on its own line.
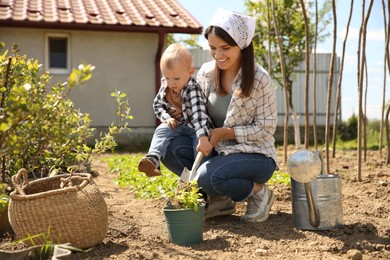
<point x="164" y="134"/>
<point x="226" y="175"/>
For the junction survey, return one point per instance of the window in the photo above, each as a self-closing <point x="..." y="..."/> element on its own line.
<point x="57" y="53"/>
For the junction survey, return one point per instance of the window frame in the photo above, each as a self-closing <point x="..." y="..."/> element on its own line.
<point x="59" y="71"/>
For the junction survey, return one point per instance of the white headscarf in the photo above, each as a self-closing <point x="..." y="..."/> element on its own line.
<point x="239" y="26"/>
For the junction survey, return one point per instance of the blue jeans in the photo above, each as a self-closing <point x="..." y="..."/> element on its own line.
<point x="164" y="134"/>
<point x="227" y="175"/>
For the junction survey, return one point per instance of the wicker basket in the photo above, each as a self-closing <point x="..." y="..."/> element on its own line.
<point x="67" y="208"/>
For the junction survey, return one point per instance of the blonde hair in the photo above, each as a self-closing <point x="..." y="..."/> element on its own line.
<point x="176" y="53"/>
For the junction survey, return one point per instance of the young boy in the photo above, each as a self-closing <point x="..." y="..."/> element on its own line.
<point x="180" y="92"/>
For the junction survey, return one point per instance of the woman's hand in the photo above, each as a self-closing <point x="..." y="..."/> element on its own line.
<point x="219" y="134"/>
<point x="204" y="146"/>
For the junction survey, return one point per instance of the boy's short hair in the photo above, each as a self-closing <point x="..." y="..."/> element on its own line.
<point x="174" y="53"/>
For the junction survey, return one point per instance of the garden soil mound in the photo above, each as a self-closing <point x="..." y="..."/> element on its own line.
<point x="137" y="229"/>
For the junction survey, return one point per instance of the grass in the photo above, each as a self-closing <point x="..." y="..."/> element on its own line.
<point x="143" y="187"/>
<point x="163" y="186"/>
<point x="372" y="144"/>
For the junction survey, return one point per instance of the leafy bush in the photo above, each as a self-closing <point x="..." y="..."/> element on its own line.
<point x="40" y="129"/>
<point x="348" y="130"/>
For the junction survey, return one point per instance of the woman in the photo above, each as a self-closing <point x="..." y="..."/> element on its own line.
<point x="242" y="104"/>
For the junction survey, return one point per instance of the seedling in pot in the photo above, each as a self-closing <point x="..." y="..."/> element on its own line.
<point x="187" y="196"/>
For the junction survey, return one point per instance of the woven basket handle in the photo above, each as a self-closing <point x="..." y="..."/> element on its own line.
<point x="68" y="181"/>
<point x="20" y="181"/>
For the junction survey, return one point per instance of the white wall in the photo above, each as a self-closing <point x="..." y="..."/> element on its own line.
<point x="123" y="61"/>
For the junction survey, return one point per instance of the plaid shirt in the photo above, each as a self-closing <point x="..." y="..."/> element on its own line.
<point x="193" y="105"/>
<point x="253" y="118"/>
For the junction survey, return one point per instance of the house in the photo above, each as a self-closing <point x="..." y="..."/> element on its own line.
<point x="123" y="39"/>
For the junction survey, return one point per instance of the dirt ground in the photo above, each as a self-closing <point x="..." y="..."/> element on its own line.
<point x="137" y="229"/>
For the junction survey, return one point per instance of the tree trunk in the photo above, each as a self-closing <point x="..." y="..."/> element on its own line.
<point x="338" y="90"/>
<point x="297" y="130"/>
<point x="388" y="134"/>
<point x="361" y="64"/>
<point x="269" y="37"/>
<point x="359" y="139"/>
<point x="365" y="111"/>
<point x="384" y="77"/>
<point x="315" y="137"/>
<point x="286" y="85"/>
<point x="307" y="71"/>
<point x="330" y="81"/>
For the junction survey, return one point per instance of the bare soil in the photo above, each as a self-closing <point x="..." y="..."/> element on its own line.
<point x="137" y="229"/>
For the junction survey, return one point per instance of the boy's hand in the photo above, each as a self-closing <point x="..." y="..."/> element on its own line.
<point x="172" y="123"/>
<point x="175" y="113"/>
<point x="204" y="146"/>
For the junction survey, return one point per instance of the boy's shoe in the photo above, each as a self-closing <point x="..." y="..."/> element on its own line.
<point x="219" y="206"/>
<point x="259" y="206"/>
<point x="150" y="166"/>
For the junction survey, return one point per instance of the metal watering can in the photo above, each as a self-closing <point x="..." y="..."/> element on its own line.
<point x="316" y="198"/>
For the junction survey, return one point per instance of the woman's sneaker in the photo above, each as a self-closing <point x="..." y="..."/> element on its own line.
<point x="150" y="165"/>
<point x="219" y="206"/>
<point x="259" y="205"/>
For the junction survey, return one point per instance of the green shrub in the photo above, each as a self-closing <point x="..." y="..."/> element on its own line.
<point x="348" y="130"/>
<point x="40" y="128"/>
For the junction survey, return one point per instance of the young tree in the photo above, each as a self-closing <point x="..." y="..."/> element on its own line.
<point x="287" y="15"/>
<point x="191" y="41"/>
<point x="361" y="65"/>
<point x="307" y="71"/>
<point x="385" y="24"/>
<point x="388" y="133"/>
<point x="285" y="80"/>
<point x="330" y="83"/>
<point x="315" y="134"/>
<point x="338" y="90"/>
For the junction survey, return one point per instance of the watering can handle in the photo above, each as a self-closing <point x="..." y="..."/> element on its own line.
<point x="195" y="166"/>
<point x="314" y="215"/>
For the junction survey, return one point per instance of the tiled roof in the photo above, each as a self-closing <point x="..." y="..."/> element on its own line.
<point x="123" y="15"/>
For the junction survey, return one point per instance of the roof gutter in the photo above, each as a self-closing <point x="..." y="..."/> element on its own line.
<point x="98" y="27"/>
<point x="160" y="46"/>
